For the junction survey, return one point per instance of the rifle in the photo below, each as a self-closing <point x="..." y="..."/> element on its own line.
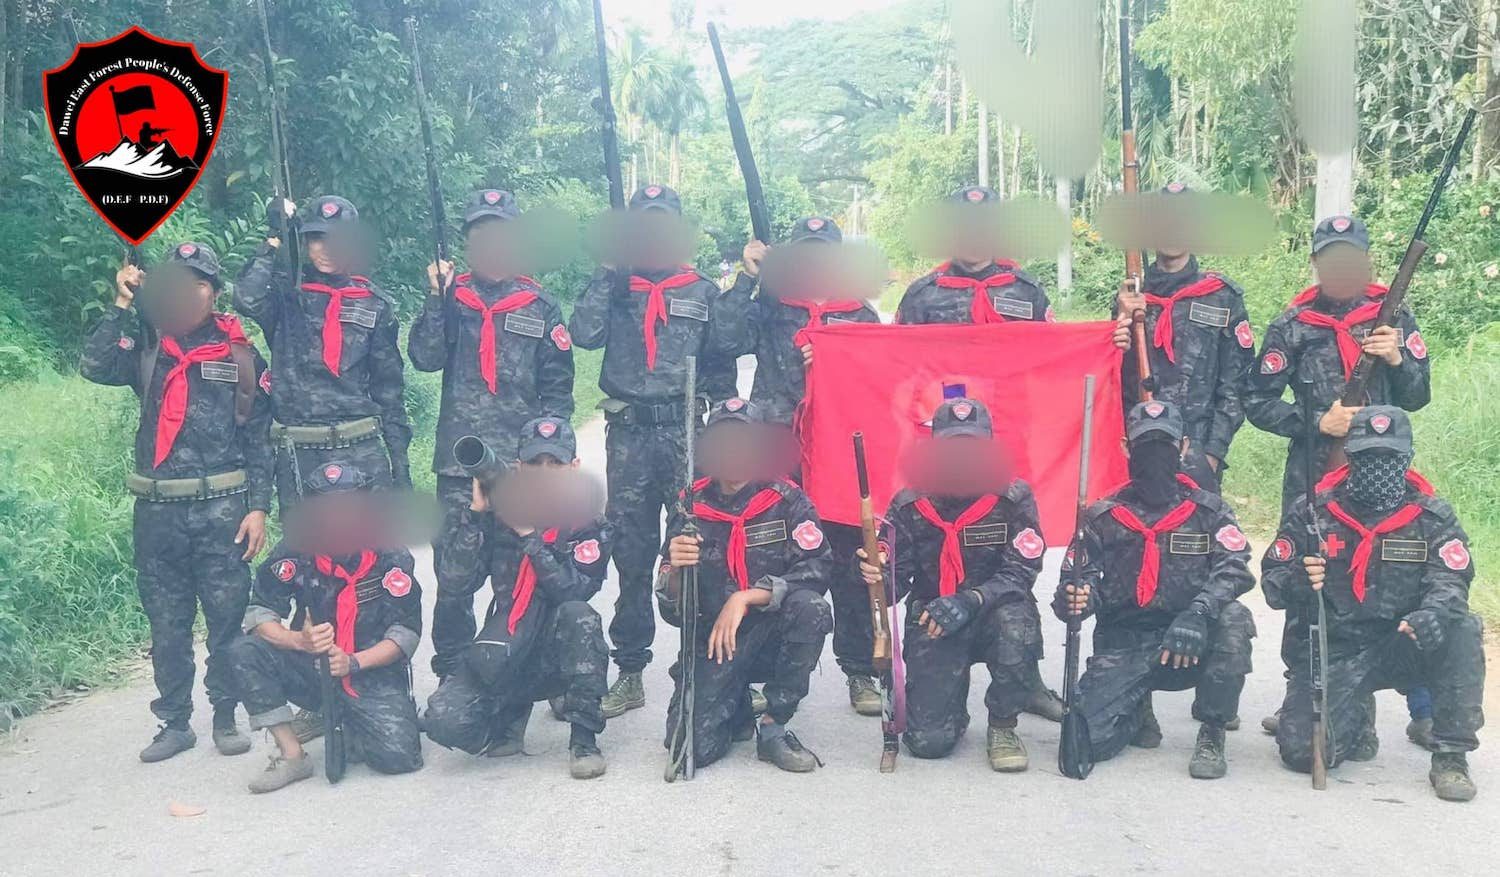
<point x="429" y="153"/>
<point x="335" y="756"/>
<point x="281" y="170"/>
<point x="1317" y="633"/>
<point x="606" y="109"/>
<point x="887" y="648"/>
<point x="1130" y="183"/>
<point x="760" y="218"/>
<point x="682" y="759"/>
<point x="1075" y="751"/>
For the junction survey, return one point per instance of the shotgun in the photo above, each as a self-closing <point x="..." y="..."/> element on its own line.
<point x="760" y="217"/>
<point x="893" y="706"/>
<point x="682" y="759"/>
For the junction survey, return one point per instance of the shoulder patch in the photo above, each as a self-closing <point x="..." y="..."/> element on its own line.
<point x="586" y="552"/>
<point x="1272" y="362"/>
<point x="1281" y="549"/>
<point x="126" y="342"/>
<point x="284" y="570"/>
<point x="1416" y="346"/>
<point x="1455" y="554"/>
<point x="1231" y="537"/>
<point x="1029" y="543"/>
<point x="560" y="338"/>
<point x="808" y="535"/>
<point x="1244" y="334"/>
<point x="265" y="381"/>
<point x="397" y="582"/>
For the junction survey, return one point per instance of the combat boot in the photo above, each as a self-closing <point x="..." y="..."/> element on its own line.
<point x="864" y="696"/>
<point x="1044" y="702"/>
<point x="585" y="761"/>
<point x="510" y="739"/>
<point x="1419" y="731"/>
<point x="782" y="748"/>
<point x="628" y="693"/>
<point x="1006" y="751"/>
<point x="757" y="702"/>
<point x="1271" y="724"/>
<point x="1148" y="735"/>
<point x="227" y="737"/>
<point x="1233" y="724"/>
<point x="1366" y="748"/>
<point x="307" y="725"/>
<point x="169" y="741"/>
<point x="1450" y="777"/>
<point x="1208" y="758"/>
<point x="282" y="772"/>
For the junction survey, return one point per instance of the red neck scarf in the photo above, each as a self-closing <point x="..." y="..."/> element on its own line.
<point x="951" y="559"/>
<point x="982" y="309"/>
<point x="525" y="587"/>
<point x="816" y="310"/>
<point x="487" y="347"/>
<point x="1145" y="583"/>
<point x="758" y="504"/>
<point x="1310" y="294"/>
<point x="1360" y="565"/>
<point x="1164" y="331"/>
<point x="174" y="387"/>
<point x="333" y="330"/>
<point x="1349" y="347"/>
<point x="347" y="609"/>
<point x="656" y="306"/>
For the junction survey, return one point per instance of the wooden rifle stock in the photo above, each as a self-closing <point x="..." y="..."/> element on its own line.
<point x="1131" y="184"/>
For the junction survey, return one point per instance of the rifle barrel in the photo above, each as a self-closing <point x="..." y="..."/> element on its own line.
<point x="1449" y="161"/>
<point x="608" y="133"/>
<point x="429" y="151"/>
<point x="760" y="221"/>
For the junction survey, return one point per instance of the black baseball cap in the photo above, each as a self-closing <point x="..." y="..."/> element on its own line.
<point x="199" y="257"/>
<point x="736" y="409"/>
<point x="656" y="197"/>
<point x="962" y="417"/>
<point x="816" y="228"/>
<point x="486" y="203"/>
<point x="336" y="477"/>
<point x="1340" y="230"/>
<point x="1154" y="418"/>
<point x="975" y="195"/>
<point x="326" y="212"/>
<point x="1379" y="428"/>
<point x="549" y="436"/>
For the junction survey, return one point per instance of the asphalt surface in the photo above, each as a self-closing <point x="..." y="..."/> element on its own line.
<point x="74" y="799"/>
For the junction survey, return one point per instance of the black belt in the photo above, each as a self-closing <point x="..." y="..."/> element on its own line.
<point x="638" y="414"/>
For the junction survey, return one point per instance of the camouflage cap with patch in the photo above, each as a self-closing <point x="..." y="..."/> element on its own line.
<point x="962" y="417"/>
<point x="815" y="228"/>
<point x="1154" y="418"/>
<point x="1340" y="230"/>
<point x="738" y="410"/>
<point x="326" y="212"/>
<point x="199" y="257"/>
<point x="1379" y="427"/>
<point x="656" y="197"/>
<point x="548" y="436"/>
<point x="490" y="203"/>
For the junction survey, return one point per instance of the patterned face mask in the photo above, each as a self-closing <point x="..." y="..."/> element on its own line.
<point x="1377" y="479"/>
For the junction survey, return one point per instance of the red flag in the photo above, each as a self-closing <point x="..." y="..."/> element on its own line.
<point x="886" y="381"/>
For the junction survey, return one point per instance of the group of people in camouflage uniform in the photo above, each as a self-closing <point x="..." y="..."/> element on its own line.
<point x="1160" y="563"/>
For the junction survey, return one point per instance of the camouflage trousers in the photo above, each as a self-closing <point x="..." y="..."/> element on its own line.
<point x="778" y="648"/>
<point x="453" y="624"/>
<point x="1005" y="637"/>
<point x="1454" y="673"/>
<point x="645" y="466"/>
<point x="295" y="463"/>
<point x="185" y="556"/>
<point x="853" y="634"/>
<point x="569" y="660"/>
<point x="1126" y="667"/>
<point x="380" y="724"/>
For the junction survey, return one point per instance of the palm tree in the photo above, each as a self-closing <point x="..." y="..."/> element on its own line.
<point x="675" y="103"/>
<point x="640" y="76"/>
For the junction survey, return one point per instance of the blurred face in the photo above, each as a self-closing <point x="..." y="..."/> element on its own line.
<point x="958" y="466"/>
<point x="658" y="239"/>
<point x="735" y="452"/>
<point x="491" y="249"/>
<point x="176" y="299"/>
<point x="545" y="493"/>
<point x="321" y="255"/>
<point x="344" y="523"/>
<point x="1343" y="271"/>
<point x="1173" y="255"/>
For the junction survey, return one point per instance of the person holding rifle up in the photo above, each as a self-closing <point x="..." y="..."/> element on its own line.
<point x="1395" y="570"/>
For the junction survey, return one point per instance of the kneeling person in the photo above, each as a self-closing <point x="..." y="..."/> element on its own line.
<point x="540" y="638"/>
<point x="1165" y="594"/>
<point x="360" y="607"/>
<point x="761" y="560"/>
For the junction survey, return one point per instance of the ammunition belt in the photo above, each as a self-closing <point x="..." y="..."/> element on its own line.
<point x="336" y="435"/>
<point x="184" y="489"/>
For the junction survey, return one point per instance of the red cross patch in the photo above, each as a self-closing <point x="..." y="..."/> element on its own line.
<point x="1273" y="362"/>
<point x="1029" y="543"/>
<point x="492" y="197"/>
<point x="1455" y="554"/>
<point x="265" y="382"/>
<point x="1416" y="346"/>
<point x="586" y="552"/>
<point x="127" y="342"/>
<point x="186" y="250"/>
<point x="1230" y="537"/>
<point x="397" y="582"/>
<point x="1244" y="334"/>
<point x="332" y="472"/>
<point x="330" y="210"/>
<point x="546" y="429"/>
<point x="560" y="337"/>
<point x="1332" y="545"/>
<point x="283" y="570"/>
<point x="1282" y="549"/>
<point x="808" y="536"/>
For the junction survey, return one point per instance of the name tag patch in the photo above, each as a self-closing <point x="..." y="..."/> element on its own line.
<point x="686" y="307"/>
<point x="227" y="372"/>
<point x="832" y="318"/>
<point x="1208" y="315"/>
<point x="359" y="316"/>
<point x="1013" y="307"/>
<point x="520" y="324"/>
<point x="1403" y="550"/>
<point x="985" y="534"/>
<point x="767" y="533"/>
<point x="1187" y="543"/>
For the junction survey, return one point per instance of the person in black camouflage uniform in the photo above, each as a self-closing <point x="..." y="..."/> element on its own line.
<point x="506" y="357"/>
<point x="648" y="320"/>
<point x="967" y="558"/>
<point x="543" y="579"/>
<point x="193" y="538"/>
<point x="1394" y="567"/>
<point x="367" y="605"/>
<point x="1167" y="625"/>
<point x="336" y="364"/>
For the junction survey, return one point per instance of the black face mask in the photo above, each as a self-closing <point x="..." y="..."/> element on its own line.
<point x="1377" y="479"/>
<point x="1154" y="464"/>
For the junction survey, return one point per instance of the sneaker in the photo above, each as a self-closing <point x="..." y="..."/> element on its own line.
<point x="757" y="702"/>
<point x="1419" y="731"/>
<point x="628" y="693"/>
<point x="282" y="772"/>
<point x="864" y="696"/>
<point x="1450" y="777"/>
<point x="1044" y="702"/>
<point x="307" y="725"/>
<point x="1148" y="735"/>
<point x="585" y="761"/>
<point x="1367" y="747"/>
<point x="1208" y="758"/>
<point x="1006" y="751"/>
<point x="1271" y="724"/>
<point x="786" y="752"/>
<point x="168" y="742"/>
<point x="227" y="737"/>
<point x="511" y="739"/>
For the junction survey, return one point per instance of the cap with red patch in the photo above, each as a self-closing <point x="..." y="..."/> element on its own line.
<point x="490" y="204"/>
<point x="1155" y="418"/>
<point x="548" y="436"/>
<point x="1340" y="230"/>
<point x="960" y="417"/>
<point x="328" y="211"/>
<point x="736" y="409"/>
<point x="1379" y="427"/>
<point x="976" y="195"/>
<point x="199" y="257"/>
<point x="816" y="228"/>
<point x="1175" y="188"/>
<point x="655" y="197"/>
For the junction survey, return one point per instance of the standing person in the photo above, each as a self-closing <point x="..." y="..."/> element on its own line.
<point x="968" y="549"/>
<point x="1394" y="568"/>
<point x="1166" y="596"/>
<point x="336" y="381"/>
<point x="648" y="318"/>
<point x="202" y="477"/>
<point x="1200" y="347"/>
<point x="543" y="578"/>
<point x="506" y="358"/>
<point x="811" y="295"/>
<point x="761" y="562"/>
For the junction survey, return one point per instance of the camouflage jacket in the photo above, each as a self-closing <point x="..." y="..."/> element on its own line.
<point x="926" y="301"/>
<point x="1002" y="550"/>
<point x="570" y="564"/>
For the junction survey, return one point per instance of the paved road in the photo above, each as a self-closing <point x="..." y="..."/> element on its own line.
<point x="74" y="799"/>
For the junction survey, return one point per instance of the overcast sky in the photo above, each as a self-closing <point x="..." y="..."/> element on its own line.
<point x="653" y="14"/>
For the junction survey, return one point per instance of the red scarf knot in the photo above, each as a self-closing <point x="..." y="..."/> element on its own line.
<point x="174" y="387"/>
<point x="1164" y="324"/>
<point x="347" y="608"/>
<point x="951" y="559"/>
<point x="1349" y="346"/>
<point x="759" y="504"/>
<point x="1359" y="566"/>
<point x="520" y="596"/>
<point x="656" y="306"/>
<point x="333" y="330"/>
<point x="816" y="311"/>
<point x="487" y="346"/>
<point x="982" y="309"/>
<point x="1145" y="583"/>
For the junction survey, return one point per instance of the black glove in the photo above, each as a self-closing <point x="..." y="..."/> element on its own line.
<point x="1060" y="602"/>
<point x="276" y="218"/>
<point x="954" y="611"/>
<point x="1188" y="635"/>
<point x="1429" y="629"/>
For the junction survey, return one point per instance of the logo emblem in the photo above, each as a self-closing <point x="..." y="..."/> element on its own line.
<point x="1244" y="334"/>
<point x="1029" y="543"/>
<point x="962" y="410"/>
<point x="560" y="337"/>
<point x="808" y="536"/>
<point x="1231" y="538"/>
<point x="127" y="342"/>
<point x="1416" y="346"/>
<point x="974" y="196"/>
<point x="1154" y="409"/>
<point x="734" y="405"/>
<point x="284" y="570"/>
<point x="1455" y="554"/>
<point x="1380" y="423"/>
<point x="546" y="429"/>
<point x="586" y="552"/>
<point x="1281" y="549"/>
<point x="814" y="224"/>
<point x="1175" y="188"/>
<point x="1273" y="362"/>
<point x="329" y="210"/>
<point x="397" y="582"/>
<point x="1341" y="224"/>
<point x="332" y="472"/>
<point x="265" y="382"/>
<point x="653" y="191"/>
<point x="492" y="197"/>
<point x="186" y="251"/>
<point x="135" y="119"/>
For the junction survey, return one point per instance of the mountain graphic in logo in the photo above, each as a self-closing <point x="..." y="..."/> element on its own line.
<point x="159" y="163"/>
